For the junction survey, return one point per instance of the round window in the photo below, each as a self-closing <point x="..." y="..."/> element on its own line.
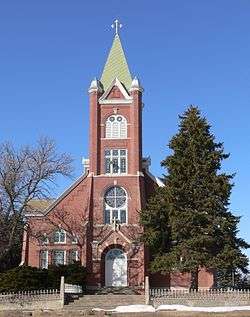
<point x="115" y="197"/>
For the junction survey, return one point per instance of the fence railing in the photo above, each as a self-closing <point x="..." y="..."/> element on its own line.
<point x="38" y="295"/>
<point x="185" y="293"/>
<point x="49" y="298"/>
<point x="159" y="296"/>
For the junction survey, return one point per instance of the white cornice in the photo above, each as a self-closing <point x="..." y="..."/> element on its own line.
<point x="155" y="179"/>
<point x="115" y="101"/>
<point x="127" y="98"/>
<point x="117" y="175"/>
<point x="35" y="214"/>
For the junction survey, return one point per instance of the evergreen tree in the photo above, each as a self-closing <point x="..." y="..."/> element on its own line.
<point x="188" y="224"/>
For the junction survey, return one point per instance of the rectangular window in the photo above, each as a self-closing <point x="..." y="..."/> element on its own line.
<point x="107" y="165"/>
<point x="44" y="259"/>
<point x="119" y="214"/>
<point x="123" y="165"/>
<point x="73" y="256"/>
<point x="115" y="165"/>
<point x="123" y="216"/>
<point x="58" y="257"/>
<point x="107" y="216"/>
<point x="115" y="214"/>
<point x="115" y="161"/>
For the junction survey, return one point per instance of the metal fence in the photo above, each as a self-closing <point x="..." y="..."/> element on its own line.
<point x="39" y="299"/>
<point x="207" y="297"/>
<point x="38" y="295"/>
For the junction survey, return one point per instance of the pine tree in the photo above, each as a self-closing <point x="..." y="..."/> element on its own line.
<point x="188" y="224"/>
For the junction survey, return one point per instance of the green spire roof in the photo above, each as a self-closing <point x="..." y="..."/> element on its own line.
<point x="116" y="66"/>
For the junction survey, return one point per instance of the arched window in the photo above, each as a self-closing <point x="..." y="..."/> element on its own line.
<point x="116" y="127"/>
<point x="115" y="205"/>
<point x="60" y="236"/>
<point x="115" y="254"/>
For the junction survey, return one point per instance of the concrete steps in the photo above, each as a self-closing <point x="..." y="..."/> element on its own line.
<point x="110" y="301"/>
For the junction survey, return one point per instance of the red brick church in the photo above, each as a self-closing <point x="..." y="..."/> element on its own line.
<point x="96" y="220"/>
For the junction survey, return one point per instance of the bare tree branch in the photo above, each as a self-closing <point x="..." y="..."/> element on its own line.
<point x="25" y="174"/>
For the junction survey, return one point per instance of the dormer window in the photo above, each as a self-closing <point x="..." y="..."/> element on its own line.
<point x="116" y="127"/>
<point x="60" y="236"/>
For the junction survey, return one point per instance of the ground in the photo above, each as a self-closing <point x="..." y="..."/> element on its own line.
<point x="158" y="314"/>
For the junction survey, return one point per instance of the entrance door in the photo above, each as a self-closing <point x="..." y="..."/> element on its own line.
<point x="116" y="268"/>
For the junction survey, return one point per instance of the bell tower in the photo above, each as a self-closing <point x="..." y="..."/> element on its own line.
<point x="115" y="116"/>
<point x="115" y="167"/>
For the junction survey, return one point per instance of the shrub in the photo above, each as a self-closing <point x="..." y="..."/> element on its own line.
<point x="73" y="274"/>
<point x="26" y="278"/>
<point x="23" y="278"/>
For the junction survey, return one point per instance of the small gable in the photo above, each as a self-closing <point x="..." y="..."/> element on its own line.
<point x="115" y="93"/>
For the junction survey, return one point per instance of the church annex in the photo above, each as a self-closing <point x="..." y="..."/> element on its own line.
<point x="96" y="220"/>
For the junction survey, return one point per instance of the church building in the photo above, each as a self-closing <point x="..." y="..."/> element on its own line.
<point x="96" y="220"/>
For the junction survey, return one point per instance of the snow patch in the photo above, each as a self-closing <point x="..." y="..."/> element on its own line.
<point x="130" y="309"/>
<point x="151" y="309"/>
<point x="216" y="309"/>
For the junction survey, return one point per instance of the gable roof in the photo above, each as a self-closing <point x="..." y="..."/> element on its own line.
<point x="116" y="66"/>
<point x="38" y="205"/>
<point x="43" y="207"/>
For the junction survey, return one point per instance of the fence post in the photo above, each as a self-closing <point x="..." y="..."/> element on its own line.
<point x="147" y="295"/>
<point x="62" y="289"/>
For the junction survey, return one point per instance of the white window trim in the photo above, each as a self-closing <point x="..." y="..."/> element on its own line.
<point x="77" y="254"/>
<point x="65" y="256"/>
<point x="124" y="207"/>
<point x="65" y="238"/>
<point x="46" y="259"/>
<point x="119" y="123"/>
<point x="119" y="162"/>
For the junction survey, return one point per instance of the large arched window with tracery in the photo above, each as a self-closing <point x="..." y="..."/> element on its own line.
<point x="116" y="127"/>
<point x="115" y="205"/>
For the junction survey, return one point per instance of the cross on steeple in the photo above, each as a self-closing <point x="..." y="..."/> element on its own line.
<point x="116" y="25"/>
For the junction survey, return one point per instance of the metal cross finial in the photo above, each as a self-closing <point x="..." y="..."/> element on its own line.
<point x="116" y="25"/>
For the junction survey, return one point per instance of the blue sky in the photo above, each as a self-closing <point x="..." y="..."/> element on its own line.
<point x="184" y="52"/>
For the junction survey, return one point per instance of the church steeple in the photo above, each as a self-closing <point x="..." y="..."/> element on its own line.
<point x="116" y="65"/>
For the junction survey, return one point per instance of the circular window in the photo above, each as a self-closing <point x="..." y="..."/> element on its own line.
<point x="112" y="119"/>
<point x="119" y="119"/>
<point x="115" y="197"/>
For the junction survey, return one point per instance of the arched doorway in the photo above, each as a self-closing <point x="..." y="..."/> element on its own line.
<point x="115" y="268"/>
